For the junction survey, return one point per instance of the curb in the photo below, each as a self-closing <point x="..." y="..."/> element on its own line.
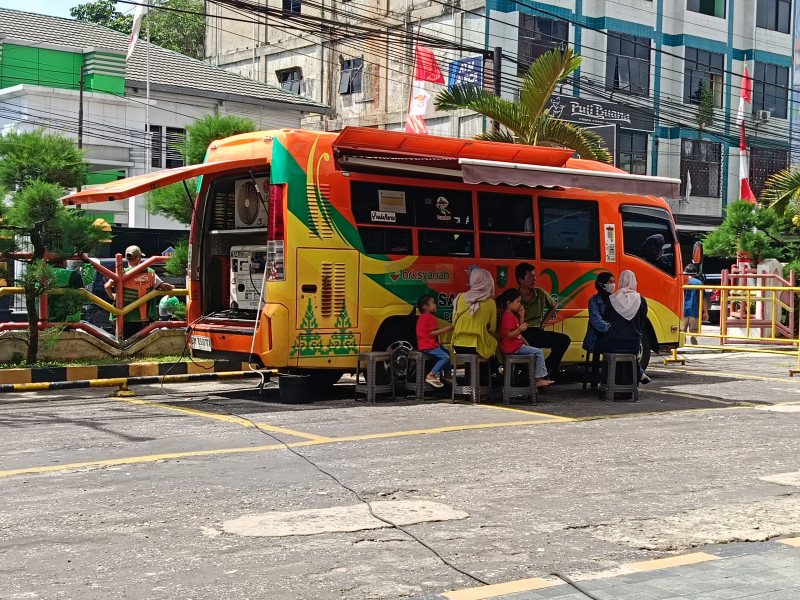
<point x="36" y="375"/>
<point x="123" y="382"/>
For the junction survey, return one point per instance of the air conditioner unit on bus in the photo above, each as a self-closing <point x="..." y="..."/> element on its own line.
<point x="762" y="116"/>
<point x="247" y="276"/>
<point x="250" y="207"/>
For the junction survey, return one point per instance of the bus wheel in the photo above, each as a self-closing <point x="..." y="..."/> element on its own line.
<point x="399" y="349"/>
<point x="647" y="346"/>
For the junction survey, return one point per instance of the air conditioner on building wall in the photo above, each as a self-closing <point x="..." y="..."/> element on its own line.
<point x="762" y="116"/>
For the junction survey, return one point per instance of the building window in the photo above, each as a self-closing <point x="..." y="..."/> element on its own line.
<point x="702" y="67"/>
<point x="632" y="152"/>
<point x="713" y="8"/>
<point x="628" y="64"/>
<point x="350" y="79"/>
<point x="165" y="147"/>
<point x="774" y="15"/>
<point x="763" y="164"/>
<point x="537" y="36"/>
<point x="770" y="85"/>
<point x="290" y="79"/>
<point x="703" y="160"/>
<point x="291" y="6"/>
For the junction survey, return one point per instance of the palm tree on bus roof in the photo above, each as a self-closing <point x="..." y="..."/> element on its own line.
<point x="527" y="120"/>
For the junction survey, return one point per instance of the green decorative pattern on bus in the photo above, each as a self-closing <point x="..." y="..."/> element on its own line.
<point x="304" y="188"/>
<point x="569" y="293"/>
<point x="310" y="343"/>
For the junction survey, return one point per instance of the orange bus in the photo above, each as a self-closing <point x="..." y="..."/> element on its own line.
<point x="309" y="247"/>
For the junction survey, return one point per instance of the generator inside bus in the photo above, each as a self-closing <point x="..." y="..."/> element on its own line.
<point x="234" y="249"/>
<point x="247" y="277"/>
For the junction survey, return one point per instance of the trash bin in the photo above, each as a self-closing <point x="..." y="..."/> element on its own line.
<point x="294" y="389"/>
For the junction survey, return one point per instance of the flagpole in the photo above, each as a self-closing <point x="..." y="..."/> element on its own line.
<point x="413" y="68"/>
<point x="149" y="144"/>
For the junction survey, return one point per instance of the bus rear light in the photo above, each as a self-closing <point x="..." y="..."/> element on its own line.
<point x="275" y="220"/>
<point x="275" y="262"/>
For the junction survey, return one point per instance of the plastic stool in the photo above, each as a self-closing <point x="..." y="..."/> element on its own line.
<point x="509" y="389"/>
<point x="610" y="388"/>
<point x="419" y="360"/>
<point x="589" y="368"/>
<point x="370" y="388"/>
<point x="473" y="387"/>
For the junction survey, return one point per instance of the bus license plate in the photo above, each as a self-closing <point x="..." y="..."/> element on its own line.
<point x="200" y="342"/>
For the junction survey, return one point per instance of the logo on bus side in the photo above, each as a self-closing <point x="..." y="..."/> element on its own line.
<point x="436" y="274"/>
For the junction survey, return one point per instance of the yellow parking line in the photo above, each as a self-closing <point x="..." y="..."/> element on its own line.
<point x="228" y="419"/>
<point x="501" y="589"/>
<point x="734" y="375"/>
<point x="672" y="561"/>
<point x="177" y="455"/>
<point x="526" y="411"/>
<point x="703" y="398"/>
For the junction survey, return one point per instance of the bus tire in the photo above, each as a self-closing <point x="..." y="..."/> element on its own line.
<point x="399" y="340"/>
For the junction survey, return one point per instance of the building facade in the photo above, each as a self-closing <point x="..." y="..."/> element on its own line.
<point x="125" y="131"/>
<point x="646" y="65"/>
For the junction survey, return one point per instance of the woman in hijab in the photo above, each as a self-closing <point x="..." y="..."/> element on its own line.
<point x="626" y="315"/>
<point x="598" y="325"/>
<point x="475" y="316"/>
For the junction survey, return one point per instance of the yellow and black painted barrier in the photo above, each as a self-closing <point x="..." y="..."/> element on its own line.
<point x="62" y="378"/>
<point x="124" y="382"/>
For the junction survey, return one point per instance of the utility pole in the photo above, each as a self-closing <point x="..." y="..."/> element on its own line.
<point x="80" y="115"/>
<point x="496" y="71"/>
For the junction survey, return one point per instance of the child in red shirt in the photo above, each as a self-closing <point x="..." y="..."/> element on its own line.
<point x="511" y="340"/>
<point x="428" y="331"/>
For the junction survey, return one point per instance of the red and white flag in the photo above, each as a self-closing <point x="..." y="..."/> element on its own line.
<point x="425" y="69"/>
<point x="138" y="14"/>
<point x="747" y="95"/>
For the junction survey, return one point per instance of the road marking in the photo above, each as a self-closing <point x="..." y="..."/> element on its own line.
<point x="526" y="411"/>
<point x="672" y="561"/>
<point x="734" y="375"/>
<point x="790" y="542"/>
<point x="501" y="589"/>
<point x="177" y="455"/>
<point x="228" y="419"/>
<point x="705" y="399"/>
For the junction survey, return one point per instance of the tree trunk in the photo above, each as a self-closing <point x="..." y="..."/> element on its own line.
<point x="33" y="326"/>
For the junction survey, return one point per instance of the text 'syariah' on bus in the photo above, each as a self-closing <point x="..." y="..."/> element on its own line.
<point x="309" y="247"/>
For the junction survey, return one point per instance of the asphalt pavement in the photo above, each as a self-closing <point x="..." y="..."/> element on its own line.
<point x="213" y="490"/>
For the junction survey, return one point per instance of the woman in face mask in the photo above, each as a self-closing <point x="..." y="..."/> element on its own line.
<point x="598" y="325"/>
<point x="626" y="315"/>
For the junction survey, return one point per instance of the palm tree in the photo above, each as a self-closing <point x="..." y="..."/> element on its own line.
<point x="782" y="193"/>
<point x="528" y="121"/>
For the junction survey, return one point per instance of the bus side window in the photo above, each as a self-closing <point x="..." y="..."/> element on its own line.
<point x="446" y="243"/>
<point x="509" y="214"/>
<point x="385" y="240"/>
<point x="442" y="208"/>
<point x="570" y="229"/>
<point x="648" y="233"/>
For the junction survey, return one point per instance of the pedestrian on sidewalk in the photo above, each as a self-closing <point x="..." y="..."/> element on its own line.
<point x="691" y="303"/>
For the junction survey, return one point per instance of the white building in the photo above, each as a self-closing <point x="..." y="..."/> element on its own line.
<point x="41" y="59"/>
<point x="643" y="64"/>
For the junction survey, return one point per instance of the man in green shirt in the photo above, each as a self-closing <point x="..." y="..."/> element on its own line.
<point x="540" y="307"/>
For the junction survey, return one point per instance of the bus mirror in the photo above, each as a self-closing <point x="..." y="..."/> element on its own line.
<point x="697" y="253"/>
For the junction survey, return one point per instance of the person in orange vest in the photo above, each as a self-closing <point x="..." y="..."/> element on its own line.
<point x="135" y="288"/>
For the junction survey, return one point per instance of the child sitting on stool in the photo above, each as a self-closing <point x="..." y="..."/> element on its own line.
<point x="428" y="332"/>
<point x="511" y="340"/>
